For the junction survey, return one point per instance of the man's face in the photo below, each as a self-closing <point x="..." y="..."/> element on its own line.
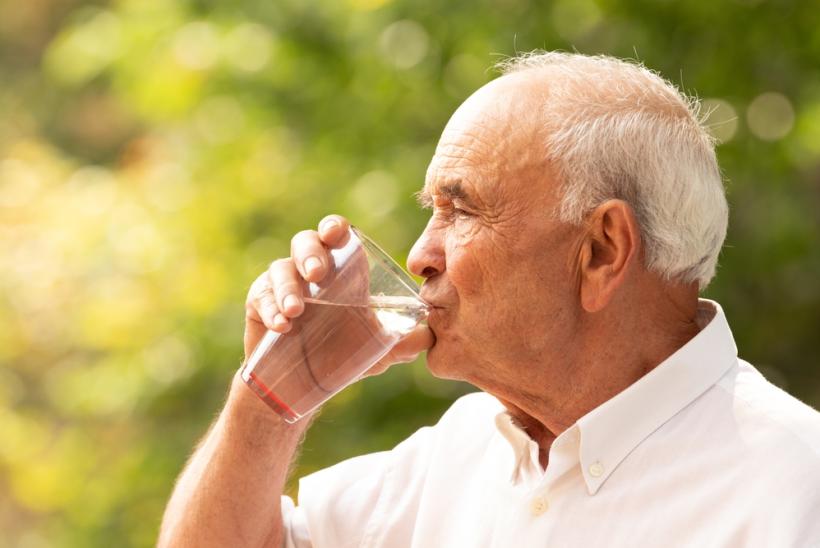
<point x="499" y="269"/>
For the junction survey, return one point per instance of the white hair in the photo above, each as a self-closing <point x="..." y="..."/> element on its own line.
<point x="617" y="130"/>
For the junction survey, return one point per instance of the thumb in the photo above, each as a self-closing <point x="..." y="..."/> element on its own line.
<point x="406" y="350"/>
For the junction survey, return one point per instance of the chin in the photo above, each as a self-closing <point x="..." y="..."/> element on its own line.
<point x="444" y="365"/>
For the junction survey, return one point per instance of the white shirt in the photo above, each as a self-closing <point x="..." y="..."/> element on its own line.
<point x="701" y="451"/>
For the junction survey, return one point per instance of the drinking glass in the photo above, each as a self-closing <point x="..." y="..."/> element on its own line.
<point x="352" y="318"/>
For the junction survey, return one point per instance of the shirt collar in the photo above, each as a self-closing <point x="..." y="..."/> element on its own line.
<point x="612" y="430"/>
<point x="525" y="450"/>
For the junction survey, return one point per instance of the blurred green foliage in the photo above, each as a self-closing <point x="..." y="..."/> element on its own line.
<point x="156" y="155"/>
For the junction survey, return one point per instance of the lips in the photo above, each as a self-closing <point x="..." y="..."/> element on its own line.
<point x="434" y="305"/>
<point x="430" y="298"/>
<point x="435" y="312"/>
<point x="431" y="294"/>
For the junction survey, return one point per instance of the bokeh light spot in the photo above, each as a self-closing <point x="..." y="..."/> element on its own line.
<point x="375" y="193"/>
<point x="84" y="51"/>
<point x="93" y="189"/>
<point x="23" y="436"/>
<point x="167" y="186"/>
<point x="770" y="116"/>
<point x="168" y="360"/>
<point x="197" y="46"/>
<point x="404" y="43"/>
<point x="219" y="119"/>
<point x="720" y="119"/>
<point x="141" y="249"/>
<point x="19" y="183"/>
<point x="248" y="47"/>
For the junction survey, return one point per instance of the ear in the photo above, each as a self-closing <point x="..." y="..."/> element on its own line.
<point x="610" y="247"/>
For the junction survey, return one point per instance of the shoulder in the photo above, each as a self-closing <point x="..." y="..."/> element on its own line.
<point x="772" y="416"/>
<point x="770" y="436"/>
<point x="357" y="497"/>
<point x="780" y="467"/>
<point x="468" y="422"/>
<point x="475" y="410"/>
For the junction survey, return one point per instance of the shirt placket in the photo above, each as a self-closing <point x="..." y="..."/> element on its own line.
<point x="563" y="457"/>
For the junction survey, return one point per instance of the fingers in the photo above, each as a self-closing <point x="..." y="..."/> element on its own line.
<point x="261" y="307"/>
<point x="333" y="230"/>
<point x="285" y="285"/>
<point x="275" y="296"/>
<point x="414" y="343"/>
<point x="308" y="248"/>
<point x="407" y="349"/>
<point x="309" y="255"/>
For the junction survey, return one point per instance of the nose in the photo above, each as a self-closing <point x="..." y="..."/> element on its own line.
<point x="426" y="258"/>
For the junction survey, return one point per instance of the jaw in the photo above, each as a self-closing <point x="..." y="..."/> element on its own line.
<point x="451" y="358"/>
<point x="441" y="363"/>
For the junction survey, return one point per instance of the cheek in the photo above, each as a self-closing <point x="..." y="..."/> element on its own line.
<point x="470" y="269"/>
<point x="510" y="292"/>
<point x="486" y="280"/>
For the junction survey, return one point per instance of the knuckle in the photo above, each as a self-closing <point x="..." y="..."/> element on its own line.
<point x="261" y="302"/>
<point x="257" y="285"/>
<point x="287" y="287"/>
<point x="253" y="297"/>
<point x="302" y="236"/>
<point x="280" y="264"/>
<point x="305" y="243"/>
<point x="256" y="318"/>
<point x="266" y="298"/>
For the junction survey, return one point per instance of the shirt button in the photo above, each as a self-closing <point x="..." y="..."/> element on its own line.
<point x="538" y="506"/>
<point x="596" y="469"/>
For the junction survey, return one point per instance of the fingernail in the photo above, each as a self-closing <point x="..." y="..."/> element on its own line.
<point x="291" y="301"/>
<point x="329" y="224"/>
<point x="312" y="264"/>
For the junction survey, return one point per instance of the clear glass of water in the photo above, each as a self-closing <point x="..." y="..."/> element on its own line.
<point x="365" y="305"/>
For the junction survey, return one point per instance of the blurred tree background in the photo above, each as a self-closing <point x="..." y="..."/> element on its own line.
<point x="156" y="155"/>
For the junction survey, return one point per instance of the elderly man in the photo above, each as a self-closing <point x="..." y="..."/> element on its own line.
<point x="577" y="210"/>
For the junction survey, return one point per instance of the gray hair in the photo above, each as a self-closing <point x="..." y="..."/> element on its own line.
<point x="618" y="130"/>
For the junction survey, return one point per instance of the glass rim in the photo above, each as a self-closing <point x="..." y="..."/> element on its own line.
<point x="387" y="261"/>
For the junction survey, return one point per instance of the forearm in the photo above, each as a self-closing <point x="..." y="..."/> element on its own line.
<point x="229" y="493"/>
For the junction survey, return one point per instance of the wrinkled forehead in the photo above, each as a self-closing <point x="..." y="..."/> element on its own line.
<point x="496" y="131"/>
<point x="506" y="103"/>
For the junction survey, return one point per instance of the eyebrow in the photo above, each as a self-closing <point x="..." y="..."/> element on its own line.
<point x="452" y="191"/>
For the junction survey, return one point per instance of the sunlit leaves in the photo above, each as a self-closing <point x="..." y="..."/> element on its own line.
<point x="156" y="155"/>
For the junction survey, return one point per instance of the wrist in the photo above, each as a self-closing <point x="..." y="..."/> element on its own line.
<point x="245" y="410"/>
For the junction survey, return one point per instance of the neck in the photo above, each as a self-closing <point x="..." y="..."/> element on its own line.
<point x="610" y="350"/>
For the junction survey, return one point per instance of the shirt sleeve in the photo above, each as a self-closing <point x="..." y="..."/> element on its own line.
<point x="339" y="505"/>
<point x="792" y="516"/>
<point x="296" y="533"/>
<point x="359" y="501"/>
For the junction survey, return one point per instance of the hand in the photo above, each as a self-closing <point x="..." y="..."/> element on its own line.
<point x="275" y="299"/>
<point x="405" y="351"/>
